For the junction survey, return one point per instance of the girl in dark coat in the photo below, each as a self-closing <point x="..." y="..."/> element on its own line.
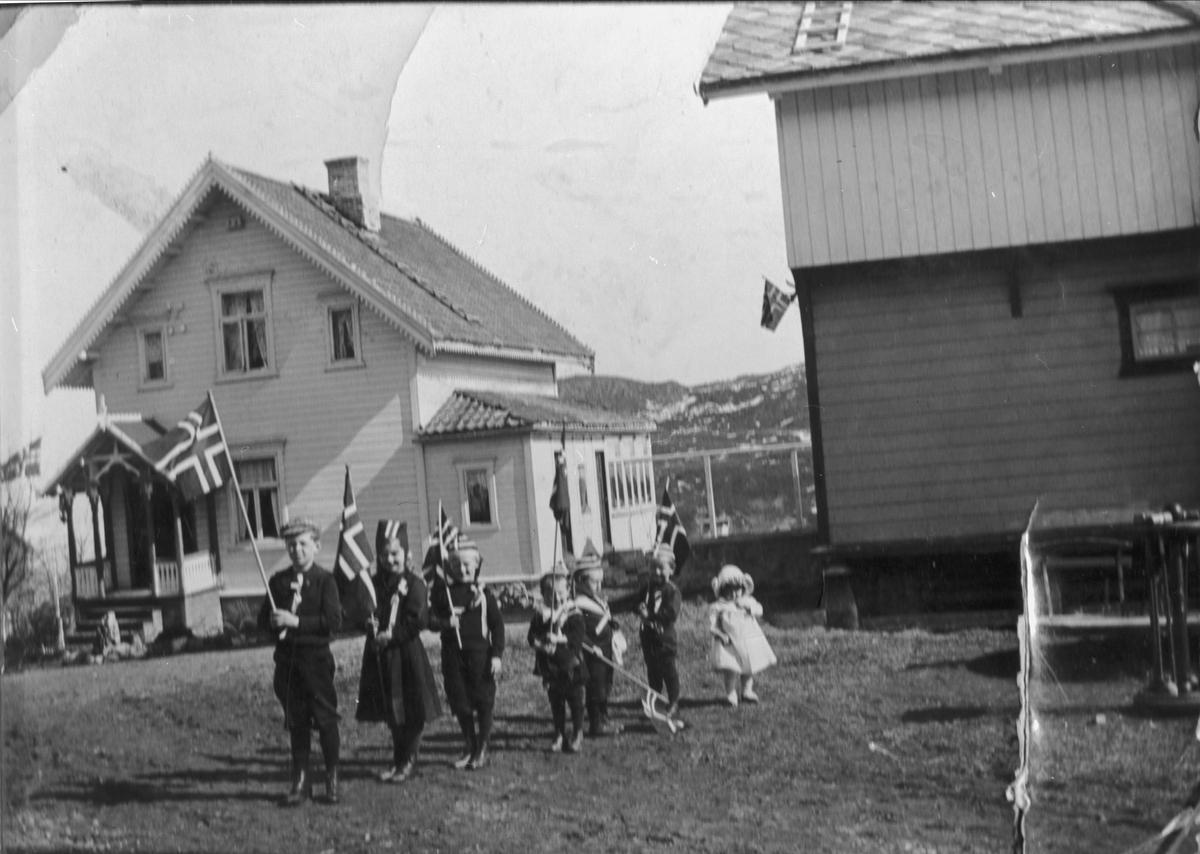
<point x="397" y="685"/>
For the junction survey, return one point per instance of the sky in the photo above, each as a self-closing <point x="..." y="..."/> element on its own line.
<point x="562" y="147"/>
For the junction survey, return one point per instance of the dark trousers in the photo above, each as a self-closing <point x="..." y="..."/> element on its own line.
<point x="303" y="684"/>
<point x="599" y="686"/>
<point x="662" y="674"/>
<point x="470" y="689"/>
<point x="562" y="697"/>
<point x="406" y="742"/>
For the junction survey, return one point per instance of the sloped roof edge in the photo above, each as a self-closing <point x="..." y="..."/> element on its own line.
<point x="793" y="80"/>
<point x="213" y="174"/>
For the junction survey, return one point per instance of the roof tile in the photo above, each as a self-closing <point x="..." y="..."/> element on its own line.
<point x="476" y="411"/>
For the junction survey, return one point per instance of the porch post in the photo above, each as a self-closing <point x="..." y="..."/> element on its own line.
<point x="708" y="490"/>
<point x="147" y="491"/>
<point x="66" y="503"/>
<point x="214" y="541"/>
<point x="178" y="522"/>
<point x="93" y="496"/>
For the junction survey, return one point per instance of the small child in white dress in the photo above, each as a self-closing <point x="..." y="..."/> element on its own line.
<point x="739" y="647"/>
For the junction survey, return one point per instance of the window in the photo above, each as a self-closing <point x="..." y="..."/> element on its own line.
<point x="259" y="480"/>
<point x="584" y="504"/>
<point x="477" y="484"/>
<point x="242" y="305"/>
<point x="1159" y="328"/>
<point x="344" y="338"/>
<point x="629" y="484"/>
<point x="152" y="347"/>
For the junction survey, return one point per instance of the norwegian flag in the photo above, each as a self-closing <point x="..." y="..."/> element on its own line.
<point x="447" y="535"/>
<point x="353" y="563"/>
<point x="671" y="532"/>
<point x="193" y="455"/>
<point x="775" y="303"/>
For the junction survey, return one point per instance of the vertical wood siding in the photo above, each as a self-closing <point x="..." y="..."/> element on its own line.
<point x="507" y="549"/>
<point x="1055" y="151"/>
<point x="943" y="415"/>
<point x="327" y="418"/>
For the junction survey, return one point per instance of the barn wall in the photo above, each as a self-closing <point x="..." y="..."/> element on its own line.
<point x="1038" y="153"/>
<point x="943" y="415"/>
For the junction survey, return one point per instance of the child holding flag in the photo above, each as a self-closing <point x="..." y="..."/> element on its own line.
<point x="397" y="685"/>
<point x="472" y="628"/>
<point x="659" y="603"/>
<point x="603" y="635"/>
<point x="308" y="613"/>
<point x="557" y="633"/>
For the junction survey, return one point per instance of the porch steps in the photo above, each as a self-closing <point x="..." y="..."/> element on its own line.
<point x="135" y="615"/>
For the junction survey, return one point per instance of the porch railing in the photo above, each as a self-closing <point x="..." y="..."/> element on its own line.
<point x="196" y="573"/>
<point x="88" y="580"/>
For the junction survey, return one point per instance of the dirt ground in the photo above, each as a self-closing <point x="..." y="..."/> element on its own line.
<point x="1105" y="777"/>
<point x="863" y="742"/>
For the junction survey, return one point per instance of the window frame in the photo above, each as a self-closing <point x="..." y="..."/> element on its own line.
<point x="1129" y="296"/>
<point x="488" y="466"/>
<point x="257" y="451"/>
<point x="221" y="286"/>
<point x="585" y="505"/>
<point x="145" y="383"/>
<point x="331" y="363"/>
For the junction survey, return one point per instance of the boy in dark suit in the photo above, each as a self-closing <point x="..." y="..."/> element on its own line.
<point x="659" y="604"/>
<point x="589" y="580"/>
<point x="556" y="632"/>
<point x="307" y="614"/>
<point x="472" y="628"/>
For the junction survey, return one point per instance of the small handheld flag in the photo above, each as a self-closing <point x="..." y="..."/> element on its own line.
<point x="193" y="455"/>
<point x="447" y="535"/>
<point x="671" y="533"/>
<point x="775" y="303"/>
<point x="353" y="563"/>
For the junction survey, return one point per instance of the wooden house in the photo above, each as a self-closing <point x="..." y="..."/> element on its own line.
<point x="991" y="214"/>
<point x="330" y="335"/>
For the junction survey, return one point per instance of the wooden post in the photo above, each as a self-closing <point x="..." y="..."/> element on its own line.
<point x="214" y="542"/>
<point x="61" y="641"/>
<point x="799" y="488"/>
<point x="1157" y="675"/>
<point x="110" y="552"/>
<point x="93" y="496"/>
<point x="177" y="520"/>
<point x="66" y="506"/>
<point x="1178" y="600"/>
<point x="708" y="489"/>
<point x="147" y="490"/>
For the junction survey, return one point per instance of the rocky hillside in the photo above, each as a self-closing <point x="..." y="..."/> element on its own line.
<point x="757" y="490"/>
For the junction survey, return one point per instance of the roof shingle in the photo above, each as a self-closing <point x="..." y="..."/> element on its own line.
<point x="755" y="44"/>
<point x="477" y="411"/>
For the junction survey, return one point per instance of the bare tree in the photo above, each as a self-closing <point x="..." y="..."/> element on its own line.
<point x="15" y="504"/>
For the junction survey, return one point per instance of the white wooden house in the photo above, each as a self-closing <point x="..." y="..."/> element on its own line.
<point x="329" y="335"/>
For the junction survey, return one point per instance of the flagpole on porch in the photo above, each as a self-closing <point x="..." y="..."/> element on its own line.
<point x="237" y="490"/>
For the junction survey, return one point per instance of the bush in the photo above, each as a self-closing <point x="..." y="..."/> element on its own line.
<point x="34" y="633"/>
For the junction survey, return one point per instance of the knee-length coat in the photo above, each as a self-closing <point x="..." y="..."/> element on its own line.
<point x="397" y="684"/>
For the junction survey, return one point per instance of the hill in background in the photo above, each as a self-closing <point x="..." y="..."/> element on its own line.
<point x="757" y="491"/>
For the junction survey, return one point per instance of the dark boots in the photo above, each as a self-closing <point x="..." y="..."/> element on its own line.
<point x="479" y="758"/>
<point x="467" y="724"/>
<point x="301" y="781"/>
<point x="331" y="743"/>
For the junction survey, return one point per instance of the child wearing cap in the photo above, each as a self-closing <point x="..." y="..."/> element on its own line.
<point x="739" y="648"/>
<point x="472" y="628"/>
<point x="307" y="613"/>
<point x="659" y="603"/>
<point x="602" y="635"/>
<point x="557" y="632"/>
<point x="396" y="686"/>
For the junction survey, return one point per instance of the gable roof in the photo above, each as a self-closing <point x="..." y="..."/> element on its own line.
<point x="756" y="50"/>
<point x="414" y="278"/>
<point x="469" y="412"/>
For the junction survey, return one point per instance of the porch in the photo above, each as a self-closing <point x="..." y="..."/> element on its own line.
<point x="151" y="557"/>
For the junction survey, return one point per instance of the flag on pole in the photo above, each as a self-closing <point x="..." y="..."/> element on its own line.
<point x="560" y="498"/>
<point x="33" y="458"/>
<point x="193" y="455"/>
<point x="671" y="532"/>
<point x="447" y="536"/>
<point x="353" y="563"/>
<point x="775" y="303"/>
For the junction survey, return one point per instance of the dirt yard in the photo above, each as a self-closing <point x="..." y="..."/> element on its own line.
<point x="864" y="742"/>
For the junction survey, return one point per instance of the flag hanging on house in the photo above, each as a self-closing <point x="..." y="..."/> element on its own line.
<point x="33" y="458"/>
<point x="560" y="498"/>
<point x="671" y="532"/>
<point x="447" y="535"/>
<point x="775" y="303"/>
<point x="353" y="563"/>
<point x="193" y="455"/>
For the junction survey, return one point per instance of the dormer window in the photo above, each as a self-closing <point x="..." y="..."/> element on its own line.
<point x="243" y="309"/>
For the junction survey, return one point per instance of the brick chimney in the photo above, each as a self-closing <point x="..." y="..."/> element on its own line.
<point x="350" y="190"/>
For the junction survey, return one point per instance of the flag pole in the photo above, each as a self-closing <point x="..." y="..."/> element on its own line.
<point x="237" y="490"/>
